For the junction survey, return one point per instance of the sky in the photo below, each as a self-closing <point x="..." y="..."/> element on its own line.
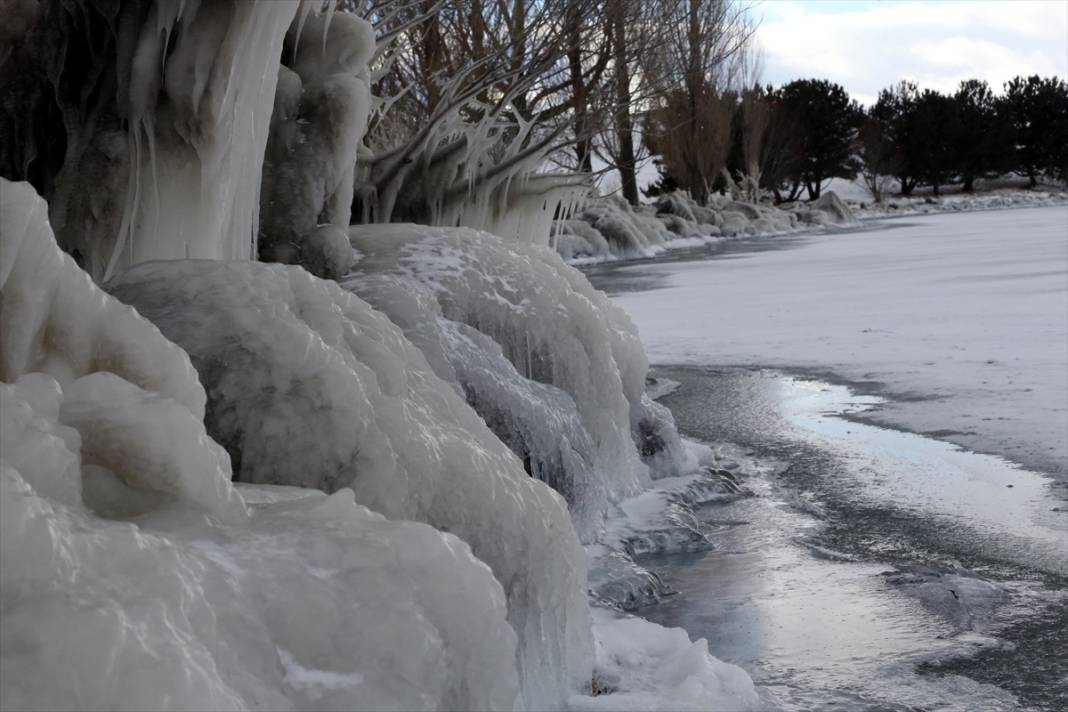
<point x="866" y="45"/>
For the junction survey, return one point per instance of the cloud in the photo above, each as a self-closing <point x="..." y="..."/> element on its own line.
<point x="867" y="46"/>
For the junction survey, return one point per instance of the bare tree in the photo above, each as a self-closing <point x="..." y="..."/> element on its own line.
<point x="697" y="70"/>
<point x="473" y="96"/>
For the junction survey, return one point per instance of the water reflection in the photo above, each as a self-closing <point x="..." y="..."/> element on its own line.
<point x="842" y="575"/>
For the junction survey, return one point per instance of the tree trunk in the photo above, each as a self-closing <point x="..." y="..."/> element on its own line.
<point x="433" y="51"/>
<point x="623" y="120"/>
<point x="579" y="90"/>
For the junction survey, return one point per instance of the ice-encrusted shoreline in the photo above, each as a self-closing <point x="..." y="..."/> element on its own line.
<point x="609" y="229"/>
<point x="122" y="447"/>
<point x="684" y="225"/>
<point x="959" y="202"/>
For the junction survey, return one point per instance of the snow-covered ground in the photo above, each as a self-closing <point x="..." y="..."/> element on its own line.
<point x="963" y="318"/>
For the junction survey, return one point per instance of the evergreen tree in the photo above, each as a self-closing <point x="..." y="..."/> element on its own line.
<point x="933" y="138"/>
<point x="895" y="113"/>
<point x="827" y="123"/>
<point x="983" y="138"/>
<point x="1038" y="111"/>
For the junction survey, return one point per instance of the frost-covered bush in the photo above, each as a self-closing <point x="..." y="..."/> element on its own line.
<point x="134" y="575"/>
<point x="683" y="227"/>
<point x="538" y="422"/>
<point x="675" y="220"/>
<point x="308" y="385"/>
<point x="676" y="204"/>
<point x="623" y="234"/>
<point x="734" y="223"/>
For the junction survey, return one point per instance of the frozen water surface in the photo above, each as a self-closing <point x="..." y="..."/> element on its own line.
<point x="864" y="554"/>
<point x="965" y="314"/>
<point x="876" y="568"/>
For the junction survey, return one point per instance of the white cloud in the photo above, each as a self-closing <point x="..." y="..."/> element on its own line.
<point x="868" y="46"/>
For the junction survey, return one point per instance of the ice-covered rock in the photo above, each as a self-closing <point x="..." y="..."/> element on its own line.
<point x="308" y="385"/>
<point x="644" y="666"/>
<point x="828" y="209"/>
<point x="326" y="252"/>
<point x="150" y="442"/>
<point x="553" y="328"/>
<point x="58" y="322"/>
<point x="313" y="603"/>
<point x="133" y="575"/>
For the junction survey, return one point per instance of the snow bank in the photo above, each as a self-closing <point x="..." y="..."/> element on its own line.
<point x="549" y="363"/>
<point x="308" y="385"/>
<point x="134" y="575"/>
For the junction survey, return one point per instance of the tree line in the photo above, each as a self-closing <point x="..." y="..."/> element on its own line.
<point x="788" y="141"/>
<point x="473" y="94"/>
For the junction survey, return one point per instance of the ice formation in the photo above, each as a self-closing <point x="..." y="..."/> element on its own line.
<point x="167" y="110"/>
<point x="320" y="114"/>
<point x="467" y="298"/>
<point x="515" y="205"/>
<point x="56" y="321"/>
<point x="644" y="666"/>
<point x="609" y="228"/>
<point x="959" y="202"/>
<point x="196" y="86"/>
<point x="122" y="529"/>
<point x="307" y="385"/>
<point x="135" y="576"/>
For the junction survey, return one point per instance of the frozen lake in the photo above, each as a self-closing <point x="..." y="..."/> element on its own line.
<point x="963" y="318"/>
<point x="876" y="568"/>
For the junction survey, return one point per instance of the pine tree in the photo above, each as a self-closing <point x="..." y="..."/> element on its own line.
<point x="895" y="113"/>
<point x="827" y="122"/>
<point x="1038" y="111"/>
<point x="983" y="138"/>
